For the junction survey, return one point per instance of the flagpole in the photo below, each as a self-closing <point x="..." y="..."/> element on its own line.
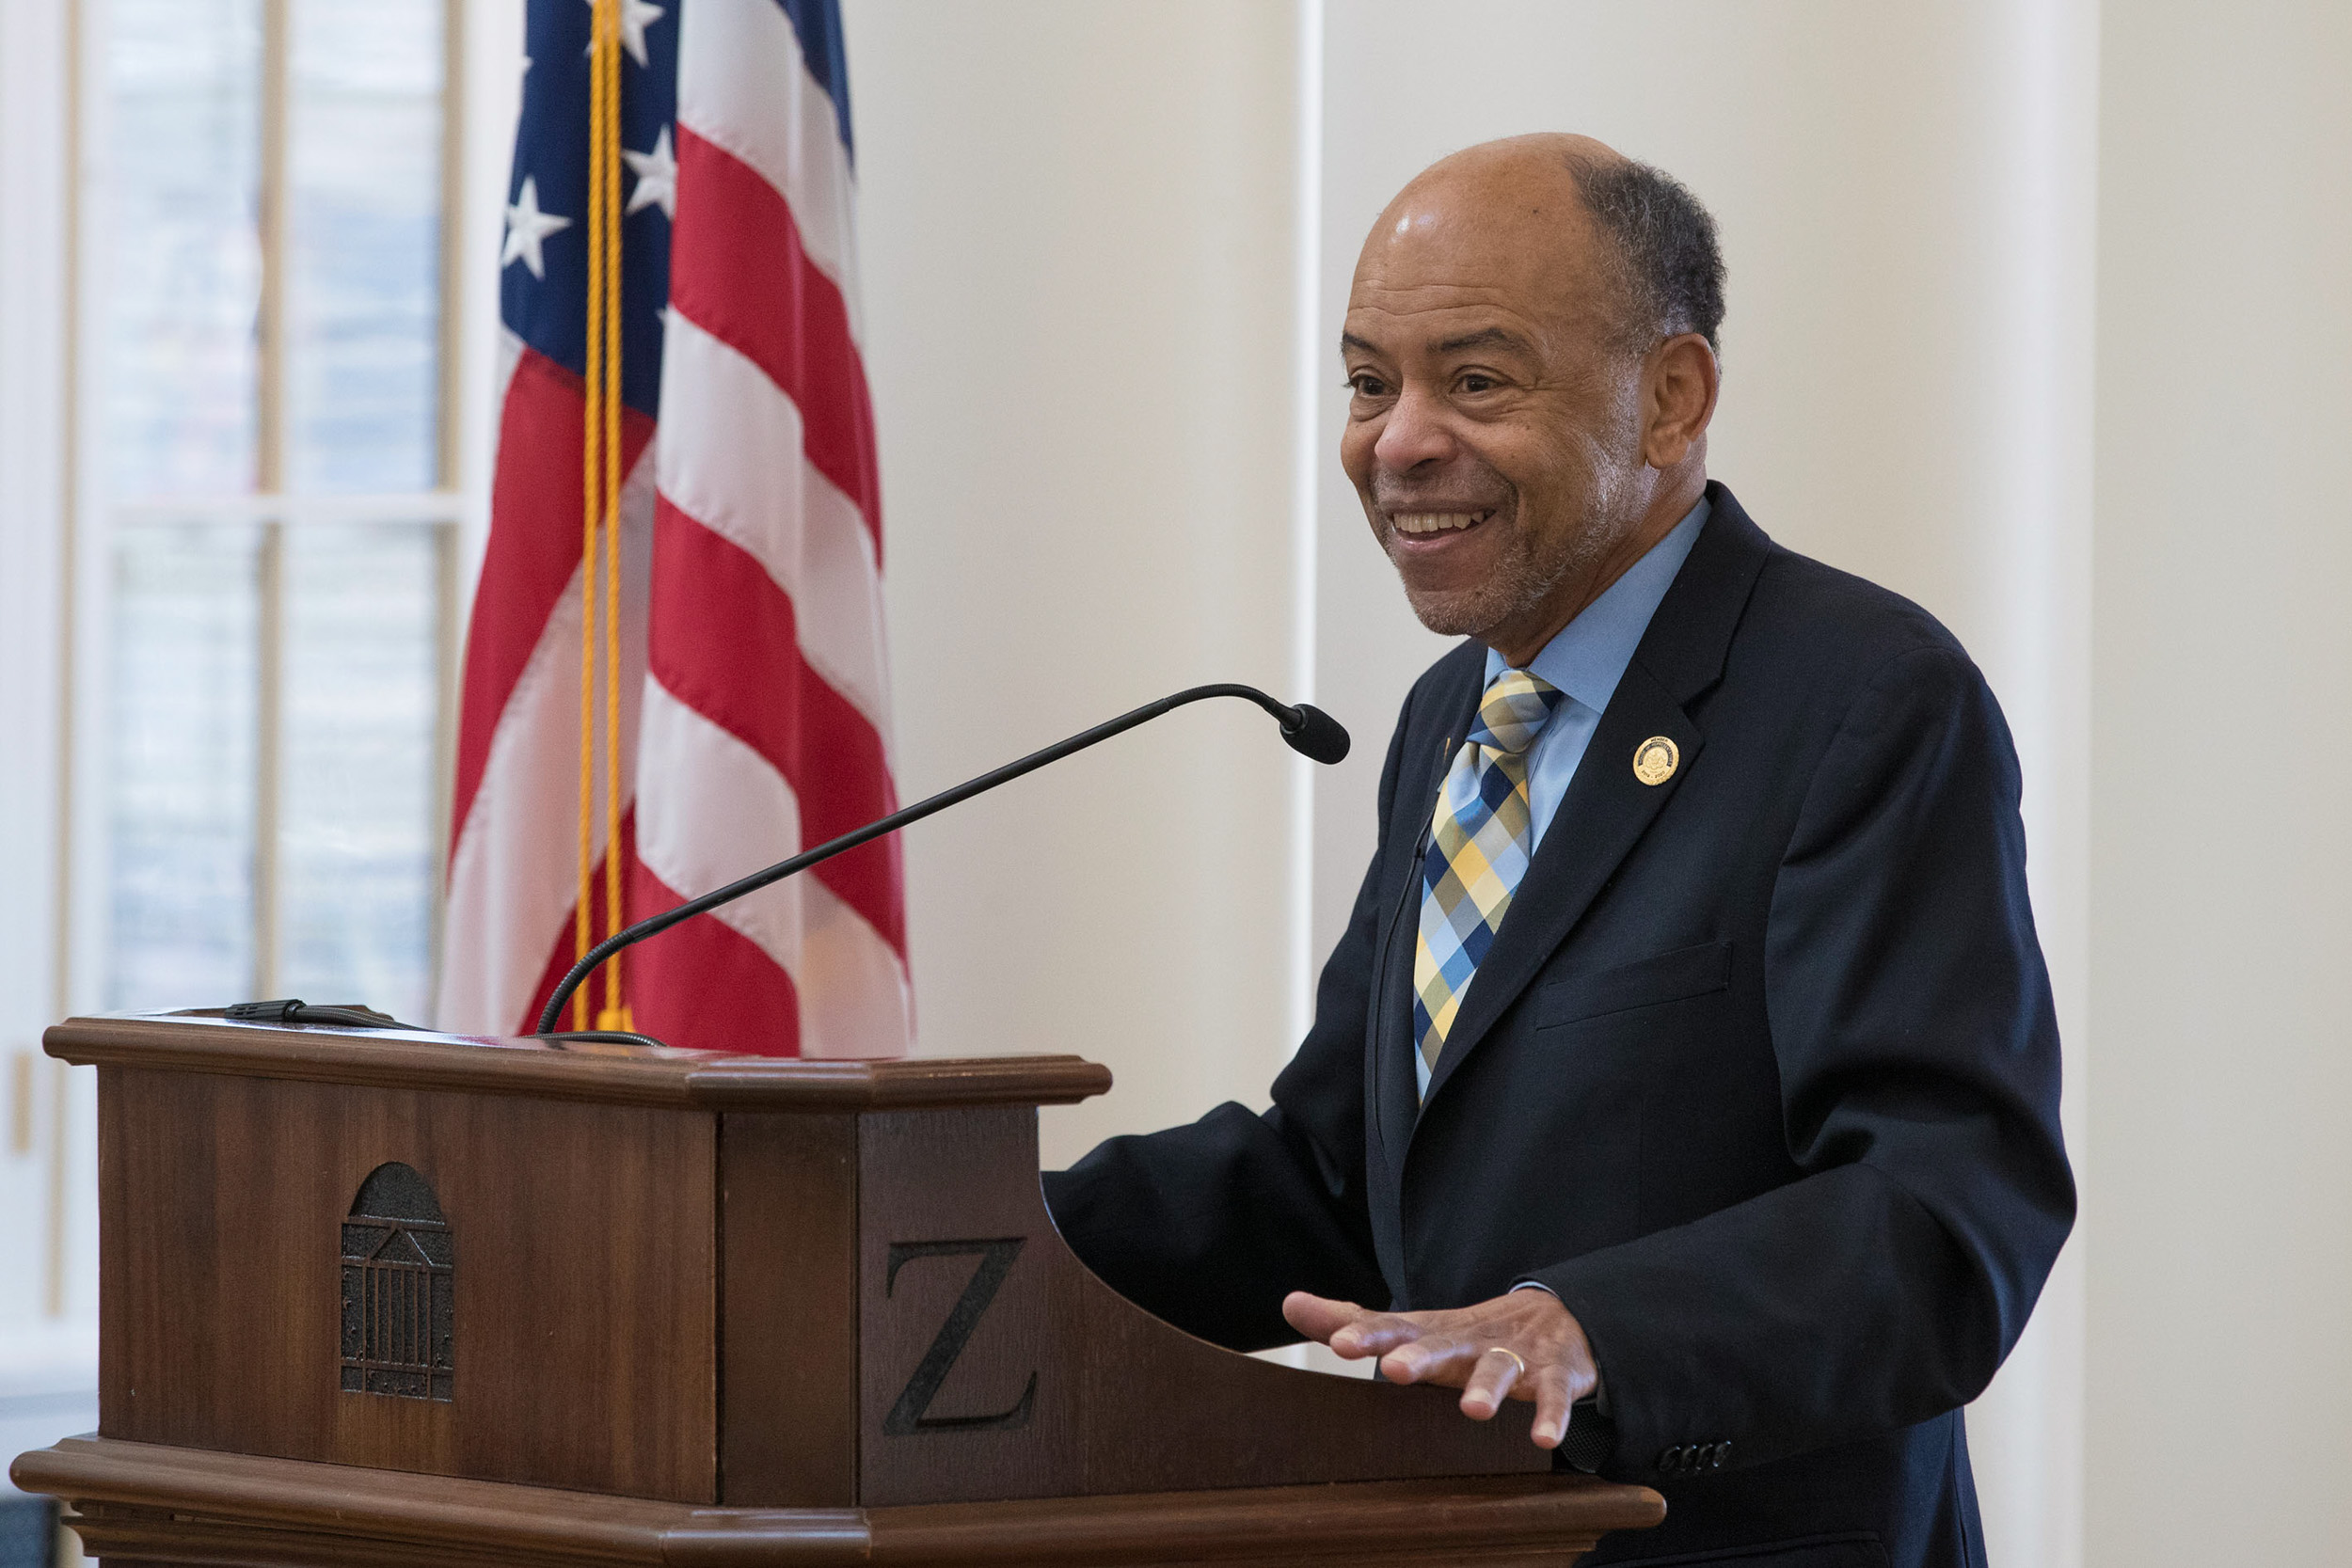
<point x="615" y="1013"/>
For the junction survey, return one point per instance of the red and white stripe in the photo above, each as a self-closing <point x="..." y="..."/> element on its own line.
<point x="507" y="935"/>
<point x="756" y="693"/>
<point x="766" y="706"/>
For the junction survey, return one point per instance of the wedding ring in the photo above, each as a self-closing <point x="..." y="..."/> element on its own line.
<point x="1506" y="1350"/>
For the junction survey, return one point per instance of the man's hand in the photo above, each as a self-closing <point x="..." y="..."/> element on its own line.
<point x="1466" y="1348"/>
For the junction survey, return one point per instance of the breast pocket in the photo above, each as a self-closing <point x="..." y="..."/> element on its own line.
<point x="1685" y="972"/>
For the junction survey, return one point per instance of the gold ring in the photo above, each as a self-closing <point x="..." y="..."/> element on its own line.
<point x="1506" y="1350"/>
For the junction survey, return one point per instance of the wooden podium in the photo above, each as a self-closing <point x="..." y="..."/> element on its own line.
<point x="394" y="1297"/>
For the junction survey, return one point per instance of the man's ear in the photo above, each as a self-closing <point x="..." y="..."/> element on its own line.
<point x="1678" y="386"/>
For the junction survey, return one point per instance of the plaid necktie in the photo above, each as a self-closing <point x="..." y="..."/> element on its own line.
<point x="1478" y="850"/>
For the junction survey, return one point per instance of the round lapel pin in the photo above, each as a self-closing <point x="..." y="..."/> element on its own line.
<point x="1655" y="759"/>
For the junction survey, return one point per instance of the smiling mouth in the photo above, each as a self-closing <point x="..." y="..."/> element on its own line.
<point x="1436" y="524"/>
<point x="1421" y="525"/>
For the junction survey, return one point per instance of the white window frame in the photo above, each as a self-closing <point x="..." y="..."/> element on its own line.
<point x="455" y="506"/>
<point x="276" y="509"/>
<point x="56" y="536"/>
<point x="47" y="1155"/>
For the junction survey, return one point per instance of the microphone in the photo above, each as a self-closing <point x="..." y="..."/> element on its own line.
<point x="1316" y="734"/>
<point x="1308" y="731"/>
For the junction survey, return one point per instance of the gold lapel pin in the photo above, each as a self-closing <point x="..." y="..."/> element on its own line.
<point x="1655" y="759"/>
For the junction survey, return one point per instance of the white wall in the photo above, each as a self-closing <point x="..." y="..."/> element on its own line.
<point x="1077" y="255"/>
<point x="33" y="481"/>
<point x="48" y="1273"/>
<point x="45" y="1139"/>
<point x="2221" y="1217"/>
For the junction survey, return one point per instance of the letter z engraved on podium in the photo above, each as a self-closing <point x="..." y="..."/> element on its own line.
<point x="907" y="1414"/>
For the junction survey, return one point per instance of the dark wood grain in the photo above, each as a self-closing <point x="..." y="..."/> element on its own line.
<point x="585" y="1279"/>
<point x="788" y="1402"/>
<point x="1489" y="1519"/>
<point x="134" y="1498"/>
<point x="711" y="1311"/>
<point x="1124" y="1402"/>
<point x="934" y="1176"/>
<point x="545" y="1069"/>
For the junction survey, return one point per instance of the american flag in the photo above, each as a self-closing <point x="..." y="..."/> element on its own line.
<point x="753" y="703"/>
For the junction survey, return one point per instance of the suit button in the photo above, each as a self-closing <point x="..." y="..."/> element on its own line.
<point x="1670" y="1461"/>
<point x="1723" y="1454"/>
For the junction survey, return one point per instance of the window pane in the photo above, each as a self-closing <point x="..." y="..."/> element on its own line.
<point x="184" y="245"/>
<point x="355" y="845"/>
<point x="365" y="294"/>
<point x="186" y="611"/>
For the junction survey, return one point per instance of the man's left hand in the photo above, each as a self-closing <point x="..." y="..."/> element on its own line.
<point x="1470" y="1348"/>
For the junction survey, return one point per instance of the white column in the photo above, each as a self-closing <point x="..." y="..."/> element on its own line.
<point x="489" y="86"/>
<point x="1905" y="194"/>
<point x="36" y="387"/>
<point x="1079" y="253"/>
<point x="2221" y="1367"/>
<point x="48" y="1287"/>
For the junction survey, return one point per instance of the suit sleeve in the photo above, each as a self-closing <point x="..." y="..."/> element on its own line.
<point x="1918" y="1056"/>
<point x="1211" y="1225"/>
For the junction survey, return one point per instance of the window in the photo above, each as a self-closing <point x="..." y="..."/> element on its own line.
<point x="273" y="331"/>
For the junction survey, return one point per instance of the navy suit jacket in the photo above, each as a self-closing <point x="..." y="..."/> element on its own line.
<point x="1760" y="1075"/>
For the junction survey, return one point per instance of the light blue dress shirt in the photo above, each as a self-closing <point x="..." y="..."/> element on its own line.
<point x="1586" y="660"/>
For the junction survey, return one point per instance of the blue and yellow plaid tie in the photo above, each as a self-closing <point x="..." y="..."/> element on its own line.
<point x="1478" y="850"/>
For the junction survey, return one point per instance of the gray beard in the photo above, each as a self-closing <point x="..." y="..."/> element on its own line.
<point x="1533" y="567"/>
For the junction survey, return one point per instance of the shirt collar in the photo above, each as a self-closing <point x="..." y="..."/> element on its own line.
<point x="1588" y="656"/>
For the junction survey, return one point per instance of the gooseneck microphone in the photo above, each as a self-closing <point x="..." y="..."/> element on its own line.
<point x="1309" y="731"/>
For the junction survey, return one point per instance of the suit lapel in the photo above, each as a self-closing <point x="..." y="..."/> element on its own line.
<point x="1607" y="808"/>
<point x="1603" y="816"/>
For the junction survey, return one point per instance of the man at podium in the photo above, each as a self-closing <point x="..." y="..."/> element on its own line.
<point x="1688" y="1066"/>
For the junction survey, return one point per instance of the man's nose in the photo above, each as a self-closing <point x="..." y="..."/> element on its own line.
<point x="1414" y="433"/>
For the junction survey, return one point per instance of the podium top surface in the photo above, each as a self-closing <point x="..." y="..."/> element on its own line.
<point x="596" y="1070"/>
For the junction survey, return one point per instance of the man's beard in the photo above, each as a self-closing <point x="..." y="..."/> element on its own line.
<point x="1534" y="564"/>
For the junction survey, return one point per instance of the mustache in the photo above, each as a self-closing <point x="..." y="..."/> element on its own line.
<point x="1394" y="505"/>
<point x="1470" y="486"/>
<point x="1397" y="499"/>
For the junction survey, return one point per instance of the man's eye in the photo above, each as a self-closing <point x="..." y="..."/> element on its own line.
<point x="1476" y="383"/>
<point x="1368" y="386"/>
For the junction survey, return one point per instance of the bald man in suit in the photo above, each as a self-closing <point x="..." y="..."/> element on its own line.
<point x="1688" y="1067"/>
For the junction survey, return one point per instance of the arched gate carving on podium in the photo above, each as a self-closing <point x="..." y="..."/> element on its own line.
<point x="399" y="1290"/>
